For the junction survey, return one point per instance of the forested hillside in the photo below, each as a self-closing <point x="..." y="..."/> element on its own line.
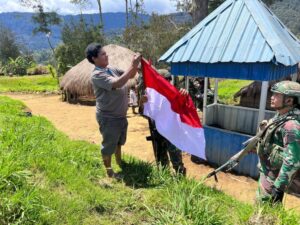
<point x="22" y="25"/>
<point x="289" y="13"/>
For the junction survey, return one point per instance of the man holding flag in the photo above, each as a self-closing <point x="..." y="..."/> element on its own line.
<point x="111" y="93"/>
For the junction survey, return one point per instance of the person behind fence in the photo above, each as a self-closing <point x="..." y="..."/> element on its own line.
<point x="111" y="93"/>
<point x="279" y="149"/>
<point x="133" y="100"/>
<point x="165" y="151"/>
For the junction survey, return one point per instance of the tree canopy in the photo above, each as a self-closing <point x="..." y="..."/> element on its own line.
<point x="9" y="48"/>
<point x="76" y="36"/>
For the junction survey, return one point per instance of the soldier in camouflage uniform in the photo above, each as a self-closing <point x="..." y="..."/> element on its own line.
<point x="279" y="149"/>
<point x="165" y="151"/>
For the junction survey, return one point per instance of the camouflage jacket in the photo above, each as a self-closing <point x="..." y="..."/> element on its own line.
<point x="279" y="150"/>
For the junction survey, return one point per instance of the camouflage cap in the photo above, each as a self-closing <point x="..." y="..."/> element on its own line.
<point x="288" y="88"/>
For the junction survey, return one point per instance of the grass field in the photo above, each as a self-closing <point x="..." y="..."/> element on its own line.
<point x="46" y="83"/>
<point x="227" y="89"/>
<point x="38" y="83"/>
<point x="46" y="178"/>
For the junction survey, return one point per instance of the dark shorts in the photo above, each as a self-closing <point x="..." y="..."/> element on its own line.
<point x="114" y="133"/>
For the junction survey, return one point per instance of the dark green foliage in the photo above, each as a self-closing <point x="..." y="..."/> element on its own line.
<point x="44" y="57"/>
<point x="213" y="4"/>
<point x="154" y="38"/>
<point x="9" y="48"/>
<point x="288" y="11"/>
<point x="44" y="20"/>
<point x="14" y="58"/>
<point x="18" y="66"/>
<point x="76" y="36"/>
<point x="114" y="22"/>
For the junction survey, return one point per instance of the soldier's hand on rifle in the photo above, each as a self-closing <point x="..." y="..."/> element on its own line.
<point x="262" y="125"/>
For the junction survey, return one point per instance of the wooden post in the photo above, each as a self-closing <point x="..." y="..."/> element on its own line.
<point x="204" y="101"/>
<point x="263" y="101"/>
<point x="294" y="77"/>
<point x="216" y="91"/>
<point x="187" y="83"/>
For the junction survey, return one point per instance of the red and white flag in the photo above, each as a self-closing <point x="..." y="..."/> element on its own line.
<point x="175" y="115"/>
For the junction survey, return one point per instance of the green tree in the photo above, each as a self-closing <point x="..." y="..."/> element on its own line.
<point x="154" y="38"/>
<point x="84" y="2"/>
<point x="199" y="9"/>
<point x="44" y="56"/>
<point x="44" y="20"/>
<point x="288" y="12"/>
<point x="76" y="36"/>
<point x="9" y="48"/>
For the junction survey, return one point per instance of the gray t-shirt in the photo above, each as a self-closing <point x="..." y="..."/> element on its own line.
<point x="110" y="102"/>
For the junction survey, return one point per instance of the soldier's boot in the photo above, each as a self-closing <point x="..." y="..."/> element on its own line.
<point x="196" y="159"/>
<point x="181" y="170"/>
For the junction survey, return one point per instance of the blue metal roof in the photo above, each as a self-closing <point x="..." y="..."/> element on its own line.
<point x="237" y="33"/>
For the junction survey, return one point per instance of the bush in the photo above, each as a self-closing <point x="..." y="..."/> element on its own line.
<point x="38" y="70"/>
<point x="18" y="66"/>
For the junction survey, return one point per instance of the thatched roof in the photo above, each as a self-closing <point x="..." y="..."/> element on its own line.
<point x="250" y="94"/>
<point x="77" y="80"/>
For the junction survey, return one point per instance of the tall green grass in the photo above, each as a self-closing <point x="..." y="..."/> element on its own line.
<point x="227" y="89"/>
<point x="38" y="83"/>
<point x="45" y="178"/>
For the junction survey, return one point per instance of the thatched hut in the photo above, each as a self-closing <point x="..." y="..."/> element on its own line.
<point x="76" y="84"/>
<point x="250" y="94"/>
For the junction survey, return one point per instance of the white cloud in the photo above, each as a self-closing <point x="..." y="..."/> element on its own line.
<point x="65" y="7"/>
<point x="12" y="6"/>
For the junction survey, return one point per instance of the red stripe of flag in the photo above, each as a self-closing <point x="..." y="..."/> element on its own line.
<point x="182" y="105"/>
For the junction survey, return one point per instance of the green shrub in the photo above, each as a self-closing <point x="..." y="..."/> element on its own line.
<point x="17" y="66"/>
<point x="38" y="70"/>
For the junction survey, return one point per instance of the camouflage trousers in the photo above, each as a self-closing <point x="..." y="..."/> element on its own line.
<point x="165" y="152"/>
<point x="264" y="190"/>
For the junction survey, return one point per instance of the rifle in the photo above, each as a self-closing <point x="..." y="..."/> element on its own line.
<point x="249" y="145"/>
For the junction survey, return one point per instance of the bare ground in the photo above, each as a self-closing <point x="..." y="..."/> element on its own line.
<point x="79" y="123"/>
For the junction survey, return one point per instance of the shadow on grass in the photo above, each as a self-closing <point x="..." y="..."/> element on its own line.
<point x="139" y="174"/>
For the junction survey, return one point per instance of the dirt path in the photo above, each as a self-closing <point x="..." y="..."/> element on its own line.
<point x="79" y="123"/>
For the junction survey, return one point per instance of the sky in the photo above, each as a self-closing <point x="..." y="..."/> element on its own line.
<point x="65" y="7"/>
